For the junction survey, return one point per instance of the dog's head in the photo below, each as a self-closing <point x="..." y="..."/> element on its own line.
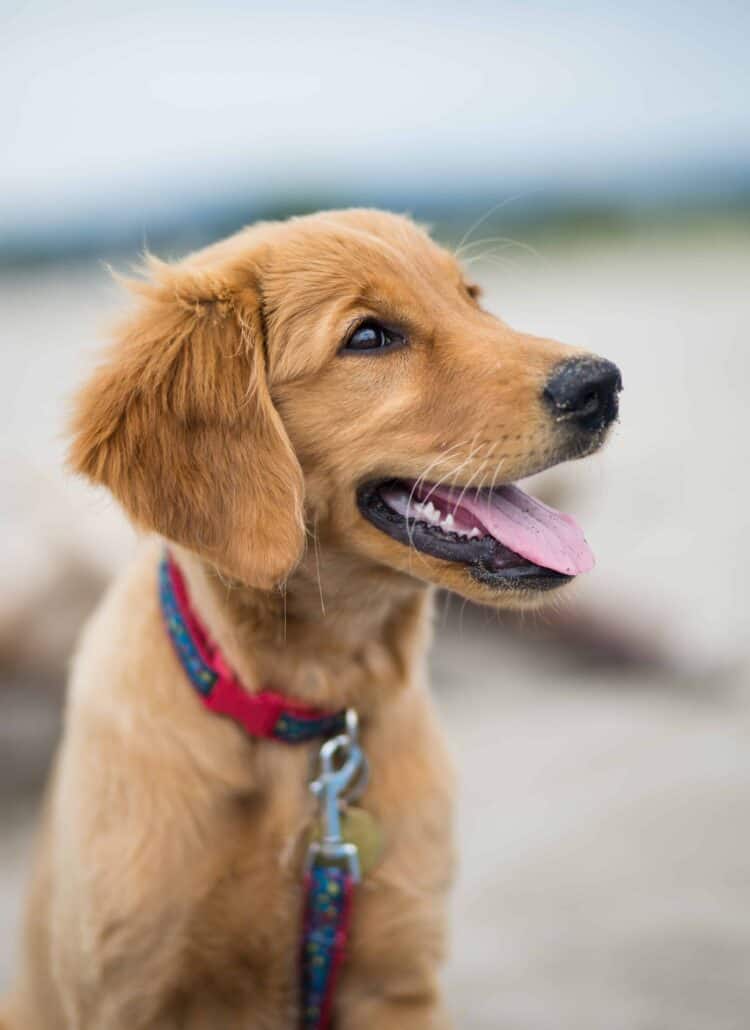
<point x="337" y="374"/>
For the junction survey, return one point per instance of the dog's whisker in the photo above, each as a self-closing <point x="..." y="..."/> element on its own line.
<point x="465" y="462"/>
<point x="317" y="566"/>
<point x="493" y="259"/>
<point x="411" y="522"/>
<point x="452" y="474"/>
<point x="417" y="484"/>
<point x="469" y="481"/>
<point x="498" y="466"/>
<point x="487" y="461"/>
<point x="444" y="613"/>
<point x="488" y="214"/>
<point x="461" y="616"/>
<point x="489" y="252"/>
<point x="423" y="475"/>
<point x="509" y="244"/>
<point x="480" y="255"/>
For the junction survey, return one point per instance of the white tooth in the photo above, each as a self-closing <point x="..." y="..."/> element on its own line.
<point x="469" y="534"/>
<point x="448" y="520"/>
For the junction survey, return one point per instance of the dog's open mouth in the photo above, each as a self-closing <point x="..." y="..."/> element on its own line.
<point x="506" y="537"/>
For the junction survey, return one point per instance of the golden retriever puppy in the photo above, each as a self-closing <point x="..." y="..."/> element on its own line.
<point x="323" y="424"/>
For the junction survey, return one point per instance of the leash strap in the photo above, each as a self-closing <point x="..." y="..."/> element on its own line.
<point x="333" y="870"/>
<point x="328" y="903"/>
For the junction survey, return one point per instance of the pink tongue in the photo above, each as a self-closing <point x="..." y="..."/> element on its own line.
<point x="524" y="525"/>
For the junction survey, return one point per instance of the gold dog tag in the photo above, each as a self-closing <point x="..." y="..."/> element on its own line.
<point x="361" y="828"/>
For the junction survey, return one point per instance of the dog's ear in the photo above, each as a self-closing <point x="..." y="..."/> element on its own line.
<point x="179" y="424"/>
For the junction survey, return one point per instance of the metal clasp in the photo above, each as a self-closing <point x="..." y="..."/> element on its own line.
<point x="342" y="776"/>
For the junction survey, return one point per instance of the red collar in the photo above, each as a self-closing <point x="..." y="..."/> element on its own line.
<point x="263" y="714"/>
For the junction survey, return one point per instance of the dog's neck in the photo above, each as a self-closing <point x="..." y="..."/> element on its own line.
<point x="354" y="638"/>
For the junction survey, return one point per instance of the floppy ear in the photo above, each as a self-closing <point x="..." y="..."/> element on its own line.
<point x="179" y="424"/>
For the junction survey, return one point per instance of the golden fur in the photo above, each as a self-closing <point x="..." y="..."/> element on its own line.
<point x="166" y="891"/>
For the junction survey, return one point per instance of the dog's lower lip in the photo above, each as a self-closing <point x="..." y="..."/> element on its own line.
<point x="487" y="560"/>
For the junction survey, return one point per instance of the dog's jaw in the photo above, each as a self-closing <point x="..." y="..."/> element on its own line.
<point x="501" y="541"/>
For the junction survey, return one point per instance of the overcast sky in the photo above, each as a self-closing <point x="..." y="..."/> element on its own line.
<point x="101" y="102"/>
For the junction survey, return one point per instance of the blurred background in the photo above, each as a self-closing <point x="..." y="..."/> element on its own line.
<point x="594" y="162"/>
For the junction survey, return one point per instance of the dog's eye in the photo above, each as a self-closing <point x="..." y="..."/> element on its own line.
<point x="372" y="336"/>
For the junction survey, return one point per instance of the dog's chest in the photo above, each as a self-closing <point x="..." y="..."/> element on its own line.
<point x="246" y="918"/>
<point x="246" y="908"/>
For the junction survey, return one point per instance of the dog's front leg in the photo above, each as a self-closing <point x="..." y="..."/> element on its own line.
<point x="395" y="1014"/>
<point x="390" y="978"/>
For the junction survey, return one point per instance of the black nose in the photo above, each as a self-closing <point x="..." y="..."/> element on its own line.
<point x="584" y="391"/>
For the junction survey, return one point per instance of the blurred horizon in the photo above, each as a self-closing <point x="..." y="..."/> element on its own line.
<point x="137" y="126"/>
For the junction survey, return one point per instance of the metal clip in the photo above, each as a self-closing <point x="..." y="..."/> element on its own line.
<point x="336" y="783"/>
